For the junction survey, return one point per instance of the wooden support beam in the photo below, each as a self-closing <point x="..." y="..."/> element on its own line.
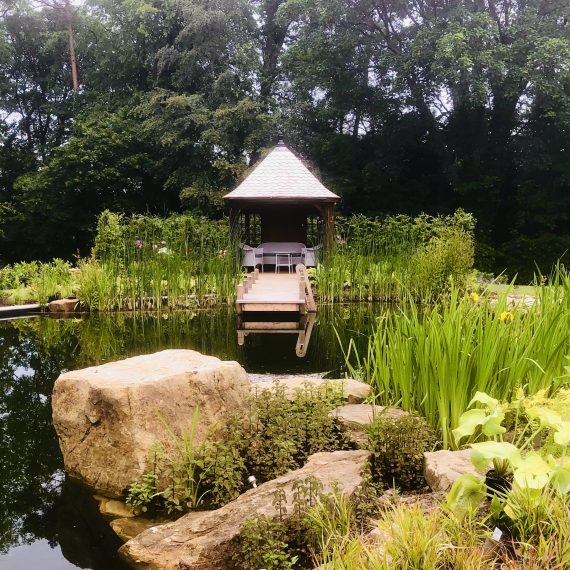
<point x="328" y="227"/>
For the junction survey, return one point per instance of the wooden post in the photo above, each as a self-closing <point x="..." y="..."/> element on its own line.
<point x="328" y="227"/>
<point x="247" y="228"/>
<point x="234" y="218"/>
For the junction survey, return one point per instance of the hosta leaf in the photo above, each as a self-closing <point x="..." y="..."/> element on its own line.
<point x="465" y="495"/>
<point x="485" y="399"/>
<point x="492" y="425"/>
<point x="562" y="435"/>
<point x="483" y="453"/>
<point x="468" y="423"/>
<point x="560" y="479"/>
<point x="532" y="472"/>
<point x="546" y="416"/>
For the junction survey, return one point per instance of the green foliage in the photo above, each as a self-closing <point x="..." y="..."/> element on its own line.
<point x="376" y="259"/>
<point x="280" y="433"/>
<point x="175" y="483"/>
<point x="397" y="446"/>
<point x="53" y="280"/>
<point x="434" y="359"/>
<point x="263" y="544"/>
<point x="18" y="275"/>
<point x="528" y="510"/>
<point x="278" y="436"/>
<point x="458" y="108"/>
<point x="147" y="262"/>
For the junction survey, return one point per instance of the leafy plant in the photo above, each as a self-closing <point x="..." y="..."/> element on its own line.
<point x="398" y="446"/>
<point x="278" y="435"/>
<point x="263" y="543"/>
<point x="537" y="475"/>
<point x="433" y="359"/>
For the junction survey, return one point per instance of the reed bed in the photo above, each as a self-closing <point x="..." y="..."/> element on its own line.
<point x="384" y="260"/>
<point x="432" y="359"/>
<point x="151" y="263"/>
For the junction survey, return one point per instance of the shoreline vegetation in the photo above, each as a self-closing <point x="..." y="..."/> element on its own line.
<point x="186" y="261"/>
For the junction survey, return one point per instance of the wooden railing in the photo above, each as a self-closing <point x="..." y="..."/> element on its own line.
<point x="305" y="289"/>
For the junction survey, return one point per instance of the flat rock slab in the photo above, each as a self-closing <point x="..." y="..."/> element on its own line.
<point x="207" y="540"/>
<point x="355" y="416"/>
<point x="129" y="527"/>
<point x="108" y="417"/>
<point x="364" y="414"/>
<point x="353" y="391"/>
<point x="442" y="468"/>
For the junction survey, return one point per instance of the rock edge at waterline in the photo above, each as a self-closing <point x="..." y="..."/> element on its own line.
<point x="206" y="540"/>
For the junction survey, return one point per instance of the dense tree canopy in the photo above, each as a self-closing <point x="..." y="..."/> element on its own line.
<point x="404" y="105"/>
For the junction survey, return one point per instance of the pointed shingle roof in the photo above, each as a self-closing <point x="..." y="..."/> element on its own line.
<point x="281" y="176"/>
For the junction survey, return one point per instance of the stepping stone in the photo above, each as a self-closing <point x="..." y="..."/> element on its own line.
<point x="442" y="468"/>
<point x="353" y="391"/>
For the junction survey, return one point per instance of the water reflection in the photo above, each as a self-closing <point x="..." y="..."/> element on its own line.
<point x="38" y="508"/>
<point x="302" y="326"/>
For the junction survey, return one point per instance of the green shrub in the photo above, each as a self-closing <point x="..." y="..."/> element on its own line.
<point x="264" y="543"/>
<point x="445" y="260"/>
<point x="385" y="259"/>
<point x="278" y="435"/>
<point x="397" y="446"/>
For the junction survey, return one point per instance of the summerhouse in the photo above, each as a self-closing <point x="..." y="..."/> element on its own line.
<point x="282" y="212"/>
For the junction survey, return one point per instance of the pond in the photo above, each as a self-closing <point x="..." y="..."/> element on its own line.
<point x="50" y="522"/>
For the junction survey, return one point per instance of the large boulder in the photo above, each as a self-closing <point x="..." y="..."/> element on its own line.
<point x="108" y="417"/>
<point x="442" y="468"/>
<point x="206" y="540"/>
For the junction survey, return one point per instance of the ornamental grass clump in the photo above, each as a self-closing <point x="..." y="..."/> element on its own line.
<point x="433" y="359"/>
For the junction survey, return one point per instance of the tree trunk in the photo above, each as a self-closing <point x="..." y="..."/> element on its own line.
<point x="73" y="63"/>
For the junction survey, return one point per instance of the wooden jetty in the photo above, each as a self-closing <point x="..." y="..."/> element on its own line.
<point x="11" y="311"/>
<point x="276" y="292"/>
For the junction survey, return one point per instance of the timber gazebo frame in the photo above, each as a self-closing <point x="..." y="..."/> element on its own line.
<point x="283" y="193"/>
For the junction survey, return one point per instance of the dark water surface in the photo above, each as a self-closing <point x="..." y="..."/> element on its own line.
<point x="49" y="523"/>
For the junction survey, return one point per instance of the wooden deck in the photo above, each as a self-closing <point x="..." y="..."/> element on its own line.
<point x="276" y="292"/>
<point x="11" y="311"/>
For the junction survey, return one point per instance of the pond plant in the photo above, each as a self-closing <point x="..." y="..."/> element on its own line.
<point x="143" y="262"/>
<point x="433" y="359"/>
<point x="386" y="259"/>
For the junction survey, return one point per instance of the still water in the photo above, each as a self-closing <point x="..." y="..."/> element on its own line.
<point x="49" y="523"/>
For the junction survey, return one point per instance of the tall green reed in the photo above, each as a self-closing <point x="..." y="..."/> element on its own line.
<point x="155" y="263"/>
<point x="380" y="260"/>
<point x="432" y="359"/>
